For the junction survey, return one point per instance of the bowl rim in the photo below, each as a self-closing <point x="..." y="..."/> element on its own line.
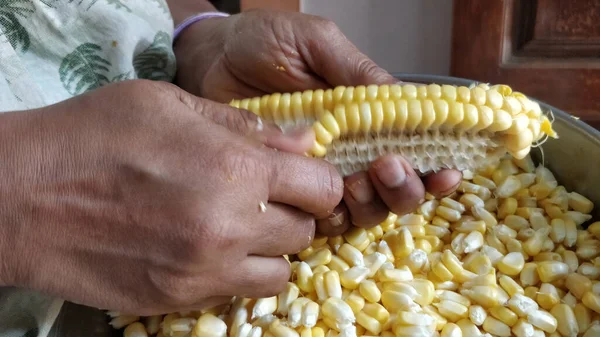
<point x="568" y="119"/>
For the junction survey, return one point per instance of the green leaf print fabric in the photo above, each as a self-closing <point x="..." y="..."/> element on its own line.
<point x="52" y="50"/>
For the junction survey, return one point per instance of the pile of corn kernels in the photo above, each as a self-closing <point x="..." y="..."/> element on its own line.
<point x="506" y="255"/>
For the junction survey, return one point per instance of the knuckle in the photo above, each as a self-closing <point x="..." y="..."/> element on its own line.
<point x="239" y="164"/>
<point x="331" y="185"/>
<point x="366" y="66"/>
<point x="328" y="26"/>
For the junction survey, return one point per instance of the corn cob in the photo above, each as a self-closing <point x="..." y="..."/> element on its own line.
<point x="432" y="126"/>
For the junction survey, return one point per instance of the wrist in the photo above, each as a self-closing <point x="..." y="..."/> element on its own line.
<point x="12" y="172"/>
<point x="197" y="48"/>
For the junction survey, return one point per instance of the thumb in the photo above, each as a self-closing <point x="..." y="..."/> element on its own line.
<point x="334" y="58"/>
<point x="247" y="124"/>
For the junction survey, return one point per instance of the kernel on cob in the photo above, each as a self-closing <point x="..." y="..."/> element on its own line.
<point x="432" y="126"/>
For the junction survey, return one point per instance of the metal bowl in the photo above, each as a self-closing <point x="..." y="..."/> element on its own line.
<point x="574" y="159"/>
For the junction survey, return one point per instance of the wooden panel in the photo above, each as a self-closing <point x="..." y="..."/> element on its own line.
<point x="548" y="49"/>
<point x="288" y="5"/>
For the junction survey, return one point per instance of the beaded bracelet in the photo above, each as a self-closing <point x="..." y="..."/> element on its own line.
<point x="199" y="17"/>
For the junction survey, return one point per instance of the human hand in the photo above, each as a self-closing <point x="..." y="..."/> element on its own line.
<point x="141" y="198"/>
<point x="259" y="52"/>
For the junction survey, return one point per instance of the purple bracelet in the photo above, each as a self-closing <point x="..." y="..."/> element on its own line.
<point x="187" y="22"/>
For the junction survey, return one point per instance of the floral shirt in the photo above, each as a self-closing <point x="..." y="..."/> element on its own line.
<point x="52" y="50"/>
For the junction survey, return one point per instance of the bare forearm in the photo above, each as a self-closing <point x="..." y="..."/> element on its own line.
<point x="181" y="9"/>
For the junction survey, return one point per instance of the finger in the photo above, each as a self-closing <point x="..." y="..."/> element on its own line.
<point x="397" y="183"/>
<point x="442" y="183"/>
<point x="312" y="185"/>
<point x="281" y="230"/>
<point x="333" y="57"/>
<point x="336" y="223"/>
<point x="258" y="277"/>
<point x="365" y="206"/>
<point x="246" y="123"/>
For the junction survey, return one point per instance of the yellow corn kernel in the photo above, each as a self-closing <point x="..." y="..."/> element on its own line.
<point x="542" y="320"/>
<point x="496" y="327"/>
<point x="483" y="214"/>
<point x="368" y="289"/>
<point x="209" y="325"/>
<point x="589" y="270"/>
<point x="507" y="207"/>
<point x="504" y="315"/>
<point x="264" y="306"/>
<point x="580" y="203"/>
<point x="477" y="314"/>
<point x="444" y="295"/>
<point x="594" y="228"/>
<point x="338" y="311"/>
<point x="357" y="237"/>
<point x="286" y="298"/>
<point x="394" y="301"/>
<point x="411" y="220"/>
<point x="121" y="321"/>
<point x="523" y="328"/>
<point x="451" y="330"/>
<point x="529" y="274"/>
<point x="583" y="315"/>
<point x="566" y="321"/>
<point x="448" y="213"/>
<point x="548" y="296"/>
<point x="319" y="257"/>
<point x="592" y="331"/>
<point x="522" y="305"/>
<point x="592" y="301"/>
<point x="510" y="286"/>
<point x="352" y="277"/>
<point x="332" y="283"/>
<point x="338" y="264"/>
<point x="356" y="301"/>
<point x="532" y="292"/>
<point x="368" y="322"/>
<point x="136" y="329"/>
<point x="425" y="291"/>
<point x="511" y="264"/>
<point x="277" y="329"/>
<point x="351" y="255"/>
<point x="578" y="284"/>
<point x="570" y="258"/>
<point x="451" y="310"/>
<point x="550" y="271"/>
<point x="377" y="312"/>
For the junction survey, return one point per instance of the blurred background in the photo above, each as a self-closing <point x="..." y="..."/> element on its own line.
<point x="547" y="49"/>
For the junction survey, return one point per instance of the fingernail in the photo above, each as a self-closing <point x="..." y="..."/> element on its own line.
<point x="390" y="172"/>
<point x="294" y="131"/>
<point x="361" y="191"/>
<point x="450" y="190"/>
<point x="336" y="220"/>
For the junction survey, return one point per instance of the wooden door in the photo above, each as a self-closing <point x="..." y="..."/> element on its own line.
<point x="548" y="49"/>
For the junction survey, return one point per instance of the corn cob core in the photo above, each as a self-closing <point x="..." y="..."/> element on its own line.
<point x="432" y="126"/>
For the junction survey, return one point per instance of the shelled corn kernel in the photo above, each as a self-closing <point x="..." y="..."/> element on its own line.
<point x="412" y="279"/>
<point x="466" y="127"/>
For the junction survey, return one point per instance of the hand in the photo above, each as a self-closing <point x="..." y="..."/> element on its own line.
<point x="260" y="52"/>
<point x="141" y="198"/>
